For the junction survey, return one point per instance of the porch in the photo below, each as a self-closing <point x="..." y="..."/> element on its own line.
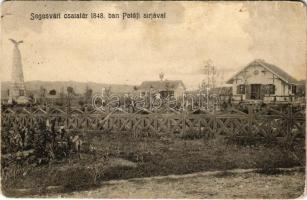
<point x="265" y="93"/>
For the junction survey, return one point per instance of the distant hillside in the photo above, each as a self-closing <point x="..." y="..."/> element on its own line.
<point x="302" y="82"/>
<point x="79" y="87"/>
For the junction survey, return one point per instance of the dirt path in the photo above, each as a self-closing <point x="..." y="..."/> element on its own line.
<point x="230" y="184"/>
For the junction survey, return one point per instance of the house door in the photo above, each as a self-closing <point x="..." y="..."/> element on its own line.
<point x="255" y="91"/>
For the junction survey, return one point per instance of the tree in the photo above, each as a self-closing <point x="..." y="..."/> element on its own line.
<point x="70" y="91"/>
<point x="210" y="71"/>
<point x="203" y="86"/>
<point x="52" y="92"/>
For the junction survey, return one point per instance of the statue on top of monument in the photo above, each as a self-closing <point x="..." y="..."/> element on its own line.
<point x="15" y="42"/>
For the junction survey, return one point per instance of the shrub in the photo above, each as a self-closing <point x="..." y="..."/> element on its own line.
<point x="76" y="178"/>
<point x="191" y="134"/>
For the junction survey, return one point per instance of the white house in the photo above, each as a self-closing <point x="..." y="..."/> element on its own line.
<point x="260" y="80"/>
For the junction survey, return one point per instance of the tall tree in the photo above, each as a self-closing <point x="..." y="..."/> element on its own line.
<point x="210" y="71"/>
<point x="70" y="90"/>
<point x="52" y="92"/>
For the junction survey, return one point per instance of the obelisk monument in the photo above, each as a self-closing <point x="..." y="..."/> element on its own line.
<point x="17" y="80"/>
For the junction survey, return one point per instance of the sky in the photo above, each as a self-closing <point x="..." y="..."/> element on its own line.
<point x="230" y="34"/>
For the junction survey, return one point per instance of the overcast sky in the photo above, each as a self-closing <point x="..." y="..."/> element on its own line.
<point x="231" y="34"/>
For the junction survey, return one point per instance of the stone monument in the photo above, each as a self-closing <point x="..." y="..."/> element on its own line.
<point x="17" y="91"/>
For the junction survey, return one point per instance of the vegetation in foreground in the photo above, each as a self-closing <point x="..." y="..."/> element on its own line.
<point x="121" y="156"/>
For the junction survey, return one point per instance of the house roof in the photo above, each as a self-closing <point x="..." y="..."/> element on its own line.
<point x="161" y="85"/>
<point x="270" y="67"/>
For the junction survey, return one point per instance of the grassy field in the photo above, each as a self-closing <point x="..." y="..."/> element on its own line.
<point x="120" y="156"/>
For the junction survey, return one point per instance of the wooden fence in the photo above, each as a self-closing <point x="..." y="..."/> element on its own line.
<point x="268" y="122"/>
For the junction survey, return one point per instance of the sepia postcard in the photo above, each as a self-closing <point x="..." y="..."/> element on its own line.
<point x="153" y="99"/>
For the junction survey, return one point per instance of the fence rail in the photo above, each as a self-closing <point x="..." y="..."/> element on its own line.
<point x="265" y="123"/>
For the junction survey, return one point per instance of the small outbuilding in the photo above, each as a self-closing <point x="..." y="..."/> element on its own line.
<point x="165" y="88"/>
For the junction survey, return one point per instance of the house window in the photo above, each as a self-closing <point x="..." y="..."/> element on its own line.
<point x="241" y="89"/>
<point x="293" y="89"/>
<point x="270" y="89"/>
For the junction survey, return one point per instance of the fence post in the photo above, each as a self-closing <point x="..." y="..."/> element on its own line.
<point x="156" y="123"/>
<point x="250" y="119"/>
<point x="67" y="115"/>
<point x="47" y="116"/>
<point x="183" y="123"/>
<point x="289" y="121"/>
<point x="199" y="126"/>
<point x="214" y="126"/>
